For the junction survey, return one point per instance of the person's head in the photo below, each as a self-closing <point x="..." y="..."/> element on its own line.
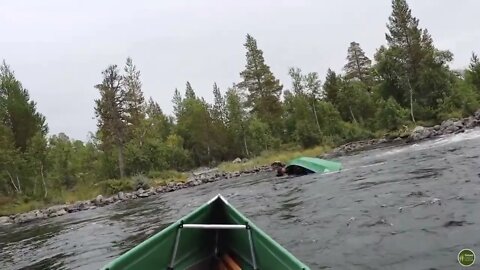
<point x="281" y="171"/>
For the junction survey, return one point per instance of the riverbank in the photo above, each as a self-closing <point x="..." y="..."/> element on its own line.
<point x="417" y="134"/>
<point x="228" y="170"/>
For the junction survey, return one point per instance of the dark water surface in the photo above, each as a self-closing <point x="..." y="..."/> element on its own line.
<point x="413" y="207"/>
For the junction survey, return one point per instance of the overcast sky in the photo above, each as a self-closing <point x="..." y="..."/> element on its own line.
<point x="59" y="48"/>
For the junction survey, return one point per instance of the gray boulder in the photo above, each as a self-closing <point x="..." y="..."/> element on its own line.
<point x="121" y="196"/>
<point x="471" y="122"/>
<point x="78" y="206"/>
<point x="143" y="195"/>
<point x="98" y="200"/>
<point x="54" y="209"/>
<point x="237" y="160"/>
<point x="477" y="114"/>
<point x="420" y="133"/>
<point x="29" y="216"/>
<point x="109" y="200"/>
<point x="446" y="124"/>
<point x="5" y="220"/>
<point x="60" y="212"/>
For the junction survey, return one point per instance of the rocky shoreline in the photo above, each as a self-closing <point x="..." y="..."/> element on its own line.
<point x="100" y="200"/>
<point x="419" y="133"/>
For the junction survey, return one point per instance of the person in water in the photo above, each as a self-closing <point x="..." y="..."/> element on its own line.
<point x="293" y="170"/>
<point x="281" y="171"/>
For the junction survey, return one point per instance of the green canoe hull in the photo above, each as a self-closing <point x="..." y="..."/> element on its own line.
<point x="199" y="249"/>
<point x="314" y="165"/>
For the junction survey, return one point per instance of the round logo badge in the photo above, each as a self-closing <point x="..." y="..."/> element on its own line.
<point x="466" y="257"/>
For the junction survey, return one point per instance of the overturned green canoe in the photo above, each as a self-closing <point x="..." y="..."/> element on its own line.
<point x="211" y="237"/>
<point x="313" y="165"/>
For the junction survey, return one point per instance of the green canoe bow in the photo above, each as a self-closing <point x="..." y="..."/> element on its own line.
<point x="200" y="239"/>
<point x="315" y="165"/>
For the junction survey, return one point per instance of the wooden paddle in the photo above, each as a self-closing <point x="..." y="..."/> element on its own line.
<point x="230" y="263"/>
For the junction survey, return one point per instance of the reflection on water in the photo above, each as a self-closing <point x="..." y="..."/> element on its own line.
<point x="413" y="207"/>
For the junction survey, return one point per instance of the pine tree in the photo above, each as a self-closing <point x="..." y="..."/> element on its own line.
<point x="358" y="64"/>
<point x="218" y="110"/>
<point x="189" y="92"/>
<point x="414" y="71"/>
<point x="263" y="89"/>
<point x="177" y="103"/>
<point x="17" y="111"/>
<point x="134" y="99"/>
<point x="331" y="87"/>
<point x="111" y="113"/>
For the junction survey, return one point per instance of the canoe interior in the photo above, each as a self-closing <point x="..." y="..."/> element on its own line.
<point x="200" y="249"/>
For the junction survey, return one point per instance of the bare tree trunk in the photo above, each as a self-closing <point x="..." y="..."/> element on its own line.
<point x="121" y="163"/>
<point x="18" y="183"/>
<point x="411" y="100"/>
<point x="13" y="182"/>
<point x="43" y="180"/>
<point x="316" y="117"/>
<point x="208" y="154"/>
<point x="35" y="186"/>
<point x="351" y="113"/>
<point x="411" y="95"/>
<point x="245" y="144"/>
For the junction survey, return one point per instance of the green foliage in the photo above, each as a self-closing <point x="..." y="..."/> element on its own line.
<point x="358" y="64"/>
<point x="472" y="75"/>
<point x="354" y="132"/>
<point x="307" y="134"/>
<point x="134" y="100"/>
<point x="140" y="181"/>
<point x="391" y="115"/>
<point x="331" y="87"/>
<point x="112" y="117"/>
<point x="263" y="89"/>
<point x="138" y="146"/>
<point x="412" y="70"/>
<point x="18" y="113"/>
<point x="354" y="102"/>
<point x="465" y="100"/>
<point x="113" y="186"/>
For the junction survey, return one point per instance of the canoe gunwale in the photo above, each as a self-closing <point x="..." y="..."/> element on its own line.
<point x="253" y="250"/>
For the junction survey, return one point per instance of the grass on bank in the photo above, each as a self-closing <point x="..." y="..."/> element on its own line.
<point x="88" y="191"/>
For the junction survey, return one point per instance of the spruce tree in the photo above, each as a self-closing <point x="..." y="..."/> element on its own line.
<point x="134" y="99"/>
<point x="177" y="103"/>
<point x="110" y="110"/>
<point x="218" y="110"/>
<point x="331" y="87"/>
<point x="189" y="92"/>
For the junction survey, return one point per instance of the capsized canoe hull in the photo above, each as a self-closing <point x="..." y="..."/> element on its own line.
<point x="206" y="248"/>
<point x="312" y="165"/>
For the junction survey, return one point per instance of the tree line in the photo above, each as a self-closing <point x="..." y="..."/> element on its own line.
<point x="407" y="81"/>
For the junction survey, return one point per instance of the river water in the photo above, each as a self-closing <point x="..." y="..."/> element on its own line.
<point x="410" y="207"/>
